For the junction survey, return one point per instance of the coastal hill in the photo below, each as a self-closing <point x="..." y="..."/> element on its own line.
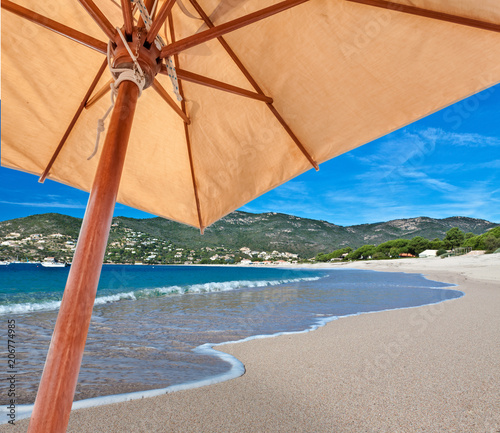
<point x="157" y="240"/>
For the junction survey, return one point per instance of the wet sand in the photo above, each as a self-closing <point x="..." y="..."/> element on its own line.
<point x="427" y="369"/>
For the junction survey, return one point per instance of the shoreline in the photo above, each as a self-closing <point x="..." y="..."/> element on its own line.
<point x="256" y="360"/>
<point x="216" y="350"/>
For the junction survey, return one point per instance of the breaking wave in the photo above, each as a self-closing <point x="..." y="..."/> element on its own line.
<point x="222" y="286"/>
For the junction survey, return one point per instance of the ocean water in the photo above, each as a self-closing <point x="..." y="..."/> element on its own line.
<point x="151" y="324"/>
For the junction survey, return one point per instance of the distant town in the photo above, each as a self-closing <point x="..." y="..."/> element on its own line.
<point x="242" y="238"/>
<point x="133" y="248"/>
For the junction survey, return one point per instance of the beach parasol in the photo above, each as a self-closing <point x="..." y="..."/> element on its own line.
<point x="228" y="99"/>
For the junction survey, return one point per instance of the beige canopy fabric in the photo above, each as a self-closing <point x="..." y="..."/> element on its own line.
<point x="340" y="74"/>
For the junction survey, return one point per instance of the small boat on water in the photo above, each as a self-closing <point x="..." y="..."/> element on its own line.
<point x="52" y="263"/>
<point x="3" y="263"/>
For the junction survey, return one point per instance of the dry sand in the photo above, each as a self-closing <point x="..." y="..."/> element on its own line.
<point x="426" y="369"/>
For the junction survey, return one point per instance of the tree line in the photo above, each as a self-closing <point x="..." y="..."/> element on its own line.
<point x="455" y="238"/>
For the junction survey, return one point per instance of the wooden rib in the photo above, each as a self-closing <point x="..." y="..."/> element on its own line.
<point x="73" y="121"/>
<point x="226" y="46"/>
<point x="209" y="82"/>
<point x="99" y="18"/>
<point x="119" y="6"/>
<point x="127" y="16"/>
<point x="186" y="132"/>
<point x="293" y="136"/>
<point x="103" y="91"/>
<point x="216" y="31"/>
<point x="159" y="20"/>
<point x="430" y="14"/>
<point x="166" y="97"/>
<point x="153" y="12"/>
<point x="56" y="27"/>
<point x="257" y="88"/>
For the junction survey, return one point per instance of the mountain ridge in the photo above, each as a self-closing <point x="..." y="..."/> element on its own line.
<point x="269" y="231"/>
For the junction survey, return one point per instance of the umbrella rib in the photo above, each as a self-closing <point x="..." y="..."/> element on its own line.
<point x="430" y="14"/>
<point x="55" y="26"/>
<point x="186" y="132"/>
<point x="209" y="82"/>
<point x="226" y="46"/>
<point x="257" y="88"/>
<point x="159" y="20"/>
<point x="99" y="94"/>
<point x="73" y="121"/>
<point x="128" y="19"/>
<point x="166" y="97"/>
<point x="216" y="31"/>
<point x="99" y="18"/>
<point x="118" y="5"/>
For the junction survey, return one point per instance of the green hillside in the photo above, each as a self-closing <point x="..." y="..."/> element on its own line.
<point x="157" y="240"/>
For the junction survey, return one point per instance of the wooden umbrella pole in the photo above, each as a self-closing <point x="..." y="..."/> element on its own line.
<point x="57" y="386"/>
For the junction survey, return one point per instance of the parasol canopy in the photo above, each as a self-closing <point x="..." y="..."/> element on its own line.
<point x="264" y="102"/>
<point x="218" y="102"/>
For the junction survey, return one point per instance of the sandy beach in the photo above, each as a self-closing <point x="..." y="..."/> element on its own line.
<point x="428" y="369"/>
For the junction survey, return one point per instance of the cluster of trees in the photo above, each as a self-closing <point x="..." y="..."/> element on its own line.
<point x="333" y="255"/>
<point x="489" y="241"/>
<point x="455" y="238"/>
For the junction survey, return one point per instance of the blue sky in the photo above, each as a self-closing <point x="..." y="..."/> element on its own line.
<point x="447" y="164"/>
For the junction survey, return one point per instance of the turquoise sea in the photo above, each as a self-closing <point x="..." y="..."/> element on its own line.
<point x="151" y="324"/>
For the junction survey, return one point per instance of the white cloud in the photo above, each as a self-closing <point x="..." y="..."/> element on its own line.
<point x="291" y="189"/>
<point x="65" y="205"/>
<point x="490" y="164"/>
<point x="459" y="139"/>
<point x="407" y="174"/>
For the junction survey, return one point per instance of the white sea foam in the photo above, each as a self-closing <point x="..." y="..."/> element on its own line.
<point x="147" y="293"/>
<point x="114" y="298"/>
<point x="29" y="307"/>
<point x="225" y="286"/>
